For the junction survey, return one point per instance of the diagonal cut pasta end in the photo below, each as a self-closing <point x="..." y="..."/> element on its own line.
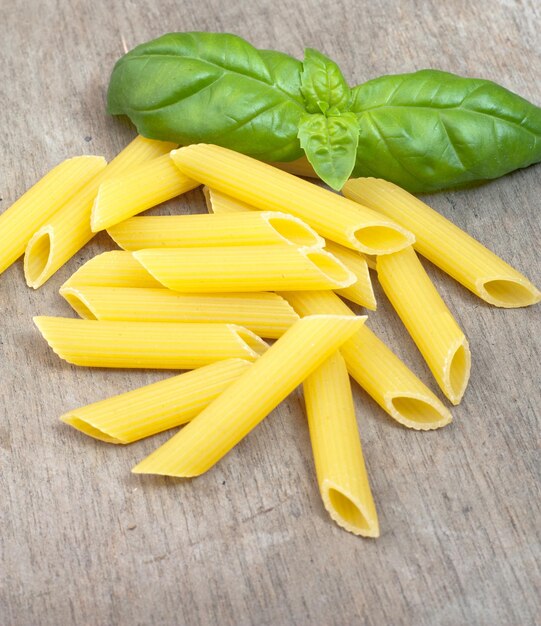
<point x="47" y="326"/>
<point x="253" y="345"/>
<point x="38" y="257"/>
<point x="78" y="302"/>
<point x="508" y="292"/>
<point x="98" y="221"/>
<point x="384" y="238"/>
<point x="456" y="371"/>
<point x="293" y="230"/>
<point x="349" y="512"/>
<point x="417" y="411"/>
<point x="332" y="268"/>
<point x="87" y="428"/>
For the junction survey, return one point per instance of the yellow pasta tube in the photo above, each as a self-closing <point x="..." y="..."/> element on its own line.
<point x="219" y="427"/>
<point x="428" y="320"/>
<point x="446" y="245"/>
<point x="361" y="292"/>
<point x="110" y="269"/>
<point x="218" y="202"/>
<point x="244" y="268"/>
<point x="40" y="202"/>
<point x="336" y="446"/>
<point x="254" y="228"/>
<point x="147" y="344"/>
<point x="377" y="369"/>
<point x="265" y="187"/>
<point x="68" y="230"/>
<point x="157" y="407"/>
<point x="143" y="187"/>
<point x="265" y="314"/>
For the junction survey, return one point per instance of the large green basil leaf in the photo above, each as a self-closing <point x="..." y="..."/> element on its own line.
<point x="432" y="130"/>
<point x="330" y="144"/>
<point x="214" y="88"/>
<point x="323" y="86"/>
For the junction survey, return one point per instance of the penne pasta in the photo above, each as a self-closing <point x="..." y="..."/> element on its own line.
<point x="336" y="445"/>
<point x="428" y="320"/>
<point x="154" y="408"/>
<point x="110" y="269"/>
<point x="377" y="369"/>
<point x="265" y="314"/>
<point x="254" y="228"/>
<point x="244" y="268"/>
<point x="219" y="427"/>
<point x="266" y="187"/>
<point x="68" y="230"/>
<point x="37" y="205"/>
<point x="146" y="185"/>
<point x="361" y="292"/>
<point x="151" y="345"/>
<point x="446" y="245"/>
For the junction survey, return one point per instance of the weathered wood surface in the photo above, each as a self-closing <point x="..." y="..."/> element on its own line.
<point x="83" y="541"/>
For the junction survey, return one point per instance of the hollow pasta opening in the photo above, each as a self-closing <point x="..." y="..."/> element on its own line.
<point x="295" y="231"/>
<point x="208" y="198"/>
<point x="382" y="239"/>
<point x="509" y="293"/>
<point x="78" y="304"/>
<point x="459" y="372"/>
<point x="419" y="411"/>
<point x="346" y="513"/>
<point x="255" y="345"/>
<point x="88" y="429"/>
<point x="36" y="259"/>
<point x="334" y="269"/>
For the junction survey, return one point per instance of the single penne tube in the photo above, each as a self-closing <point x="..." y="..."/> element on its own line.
<point x="397" y="390"/>
<point x="266" y="187"/>
<point x="265" y="314"/>
<point x="218" y="202"/>
<point x="254" y="228"/>
<point x="361" y="292"/>
<point x="110" y="269"/>
<point x="336" y="446"/>
<point x="68" y="230"/>
<point x="447" y="246"/>
<point x="240" y="408"/>
<point x="151" y="409"/>
<point x="428" y="320"/>
<point x="244" y="268"/>
<point x="143" y="187"/>
<point x="37" y="205"/>
<point x="154" y="345"/>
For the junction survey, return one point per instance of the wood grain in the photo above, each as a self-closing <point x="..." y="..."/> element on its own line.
<point x="83" y="541"/>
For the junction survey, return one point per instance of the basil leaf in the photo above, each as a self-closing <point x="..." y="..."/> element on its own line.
<point x="322" y="84"/>
<point x="432" y="130"/>
<point x="211" y="87"/>
<point x="330" y="144"/>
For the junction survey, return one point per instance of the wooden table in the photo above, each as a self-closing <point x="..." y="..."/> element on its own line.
<point x="83" y="541"/>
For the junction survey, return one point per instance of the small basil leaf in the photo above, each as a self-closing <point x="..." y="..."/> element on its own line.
<point x="322" y="84"/>
<point x="330" y="144"/>
<point x="214" y="88"/>
<point x="432" y="130"/>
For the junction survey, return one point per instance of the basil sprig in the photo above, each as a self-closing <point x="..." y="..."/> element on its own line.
<point x="426" y="131"/>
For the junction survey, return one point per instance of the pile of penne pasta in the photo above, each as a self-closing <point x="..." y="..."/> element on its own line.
<point x="272" y="260"/>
